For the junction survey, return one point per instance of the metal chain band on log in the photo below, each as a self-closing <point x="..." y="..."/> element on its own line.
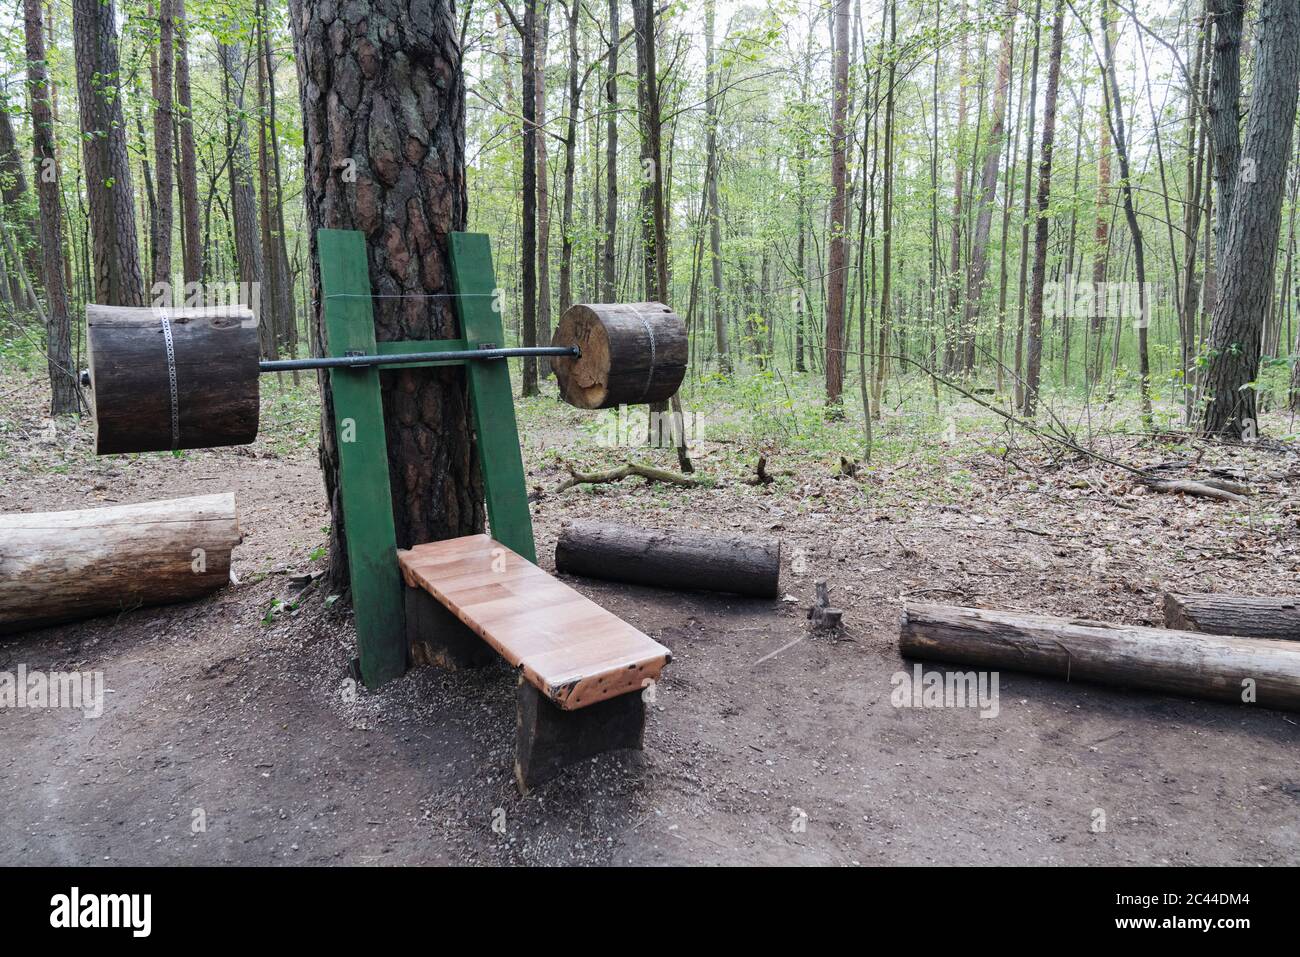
<point x="689" y="561"/>
<point x="1240" y="670"/>
<point x="632" y="353"/>
<point x="61" y="566"/>
<point x="167" y="379"/>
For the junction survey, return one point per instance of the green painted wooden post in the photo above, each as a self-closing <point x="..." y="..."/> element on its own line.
<point x="363" y="459"/>
<point x="477" y="305"/>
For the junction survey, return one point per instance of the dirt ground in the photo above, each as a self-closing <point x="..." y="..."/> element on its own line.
<point x="767" y="744"/>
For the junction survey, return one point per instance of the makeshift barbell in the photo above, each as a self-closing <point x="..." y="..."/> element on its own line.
<point x="184" y="378"/>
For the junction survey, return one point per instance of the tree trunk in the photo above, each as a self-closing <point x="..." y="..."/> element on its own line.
<point x="383" y="96"/>
<point x="573" y="10"/>
<point x="243" y="198"/>
<point x="1250" y="245"/>
<point x="1115" y="110"/>
<point x="1018" y="363"/>
<point x="116" y="252"/>
<point x="528" y="242"/>
<point x="988" y="191"/>
<point x="58" y="328"/>
<point x="189" y="165"/>
<point x="1237" y="670"/>
<point x="543" y="333"/>
<point x="1234" y="615"/>
<point x="13" y="190"/>
<point x="608" y="290"/>
<point x="713" y="212"/>
<point x="837" y="253"/>
<point x="1034" y="356"/>
<point x="680" y="559"/>
<point x="62" y="566"/>
<point x="1225" y="109"/>
<point x="162" y="147"/>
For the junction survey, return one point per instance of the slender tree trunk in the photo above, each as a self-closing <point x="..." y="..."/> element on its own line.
<point x="58" y="327"/>
<point x="528" y="241"/>
<point x="243" y="197"/>
<point x="189" y="164"/>
<point x="1225" y="109"/>
<point x="608" y="288"/>
<point x="987" y="193"/>
<point x="1115" y="110"/>
<point x="162" y="143"/>
<point x="543" y="185"/>
<point x="1018" y="364"/>
<point x="713" y="212"/>
<point x="116" y="252"/>
<point x="1033" y="363"/>
<point x="573" y="9"/>
<point x="837" y="254"/>
<point x="13" y="191"/>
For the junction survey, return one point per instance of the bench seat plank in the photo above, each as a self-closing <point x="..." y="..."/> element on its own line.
<point x="572" y="650"/>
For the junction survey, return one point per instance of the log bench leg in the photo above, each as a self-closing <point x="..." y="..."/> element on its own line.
<point x="548" y="738"/>
<point x="437" y="637"/>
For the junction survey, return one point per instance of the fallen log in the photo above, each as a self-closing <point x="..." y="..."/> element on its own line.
<point x="647" y="472"/>
<point x="1234" y="615"/>
<point x="689" y="561"/>
<point x="1232" y="669"/>
<point x="1208" y="489"/>
<point x="62" y="566"/>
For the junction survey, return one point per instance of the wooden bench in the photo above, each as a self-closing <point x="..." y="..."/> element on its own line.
<point x="582" y="670"/>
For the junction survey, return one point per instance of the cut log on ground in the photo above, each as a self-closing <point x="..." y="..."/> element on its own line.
<point x="62" y="566"/>
<point x="689" y="561"/>
<point x="1240" y="670"/>
<point x="191" y="383"/>
<point x="632" y="353"/>
<point x="1234" y="615"/>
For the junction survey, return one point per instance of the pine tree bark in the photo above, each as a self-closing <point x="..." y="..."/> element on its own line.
<point x="383" y="105"/>
<point x="114" y="244"/>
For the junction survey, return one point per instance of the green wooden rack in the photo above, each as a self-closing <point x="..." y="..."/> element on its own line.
<point x="377" y="598"/>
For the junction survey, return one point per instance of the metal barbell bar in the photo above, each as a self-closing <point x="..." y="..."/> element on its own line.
<point x="362" y="360"/>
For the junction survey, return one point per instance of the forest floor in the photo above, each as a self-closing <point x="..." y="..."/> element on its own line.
<point x="766" y="744"/>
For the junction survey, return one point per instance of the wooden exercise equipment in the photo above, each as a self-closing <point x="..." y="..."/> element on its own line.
<point x="172" y="378"/>
<point x="464" y="601"/>
<point x="631" y="353"/>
